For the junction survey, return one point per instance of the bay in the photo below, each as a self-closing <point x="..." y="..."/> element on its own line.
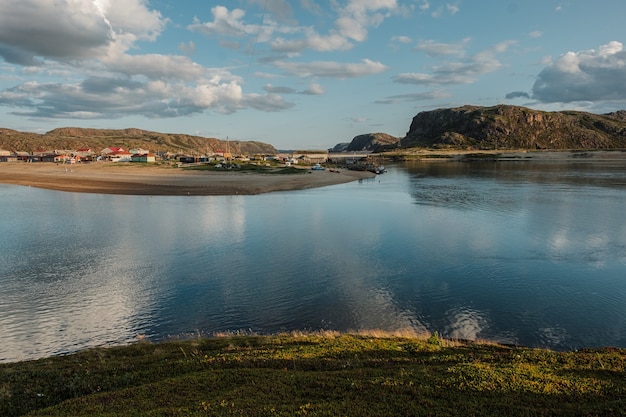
<point x="528" y="253"/>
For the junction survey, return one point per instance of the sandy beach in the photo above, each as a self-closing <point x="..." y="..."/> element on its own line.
<point x="138" y="179"/>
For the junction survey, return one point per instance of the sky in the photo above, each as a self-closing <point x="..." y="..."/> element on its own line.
<point x="300" y="74"/>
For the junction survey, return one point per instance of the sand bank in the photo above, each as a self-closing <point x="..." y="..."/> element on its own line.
<point x="138" y="179"/>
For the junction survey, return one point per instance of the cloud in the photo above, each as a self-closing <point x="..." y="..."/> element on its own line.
<point x="517" y="94"/>
<point x="278" y="90"/>
<point x="453" y="8"/>
<point x="432" y="48"/>
<point x="187" y="48"/>
<point x="280" y="9"/>
<point x="226" y="23"/>
<point x="465" y="71"/>
<point x="78" y="29"/>
<point x="267" y="103"/>
<point x="332" y="69"/>
<point x="401" y="39"/>
<point x="313" y="90"/>
<point x="313" y="41"/>
<point x="73" y="29"/>
<point x="106" y="97"/>
<point x="411" y="97"/>
<point x="592" y="75"/>
<point x="352" y="23"/>
<point x="156" y="66"/>
<point x="536" y="34"/>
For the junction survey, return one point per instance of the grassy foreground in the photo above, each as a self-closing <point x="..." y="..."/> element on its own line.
<point x="317" y="375"/>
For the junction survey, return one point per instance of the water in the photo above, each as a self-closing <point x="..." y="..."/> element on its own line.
<point x="529" y="253"/>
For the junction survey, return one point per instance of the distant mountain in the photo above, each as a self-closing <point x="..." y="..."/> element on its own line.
<point x="366" y="142"/>
<point x="515" y="127"/>
<point x="98" y="139"/>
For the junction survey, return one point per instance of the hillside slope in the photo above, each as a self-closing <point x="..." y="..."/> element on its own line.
<point x="515" y="127"/>
<point x="98" y="139"/>
<point x="366" y="142"/>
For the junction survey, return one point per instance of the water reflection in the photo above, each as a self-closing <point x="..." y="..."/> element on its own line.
<point x="514" y="252"/>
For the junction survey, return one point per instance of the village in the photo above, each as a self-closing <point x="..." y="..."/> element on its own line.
<point x="220" y="159"/>
<point x="117" y="154"/>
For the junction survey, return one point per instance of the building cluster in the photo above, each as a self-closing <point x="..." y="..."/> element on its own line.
<point x="66" y="156"/>
<point x="114" y="154"/>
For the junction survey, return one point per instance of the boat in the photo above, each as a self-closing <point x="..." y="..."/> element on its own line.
<point x="317" y="167"/>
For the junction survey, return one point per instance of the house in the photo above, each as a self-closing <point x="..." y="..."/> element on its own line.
<point x="223" y="154"/>
<point x="52" y="157"/>
<point x="22" y="155"/>
<point x="83" y="152"/>
<point x="111" y="150"/>
<point x="7" y="156"/>
<point x="121" y="156"/>
<point x="311" y="157"/>
<point x="187" y="159"/>
<point x="139" y="151"/>
<point x="147" y="157"/>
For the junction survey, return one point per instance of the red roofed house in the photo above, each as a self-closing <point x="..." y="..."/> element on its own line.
<point x="110" y="150"/>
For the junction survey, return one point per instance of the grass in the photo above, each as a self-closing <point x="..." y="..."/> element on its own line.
<point x="317" y="375"/>
<point x="253" y="168"/>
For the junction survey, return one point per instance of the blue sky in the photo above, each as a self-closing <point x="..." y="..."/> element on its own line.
<point x="304" y="73"/>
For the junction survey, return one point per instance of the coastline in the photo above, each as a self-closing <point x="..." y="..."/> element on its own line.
<point x="134" y="179"/>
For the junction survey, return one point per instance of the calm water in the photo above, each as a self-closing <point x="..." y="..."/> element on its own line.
<point x="516" y="252"/>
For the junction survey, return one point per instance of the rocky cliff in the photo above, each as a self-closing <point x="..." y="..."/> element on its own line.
<point x="366" y="142"/>
<point x="515" y="127"/>
<point x="98" y="139"/>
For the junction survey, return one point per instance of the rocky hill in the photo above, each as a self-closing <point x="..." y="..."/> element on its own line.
<point x="515" y="127"/>
<point x="98" y="139"/>
<point x="366" y="142"/>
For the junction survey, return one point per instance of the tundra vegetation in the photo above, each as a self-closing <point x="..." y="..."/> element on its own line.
<point x="321" y="374"/>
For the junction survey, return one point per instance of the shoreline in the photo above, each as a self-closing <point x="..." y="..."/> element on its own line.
<point x="129" y="179"/>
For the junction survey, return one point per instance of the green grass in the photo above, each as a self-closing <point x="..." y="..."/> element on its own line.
<point x="252" y="168"/>
<point x="317" y="375"/>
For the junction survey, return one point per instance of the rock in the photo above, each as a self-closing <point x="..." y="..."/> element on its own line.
<point x="514" y="127"/>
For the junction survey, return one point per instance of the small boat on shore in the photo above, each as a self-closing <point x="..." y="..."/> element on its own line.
<point x="317" y="167"/>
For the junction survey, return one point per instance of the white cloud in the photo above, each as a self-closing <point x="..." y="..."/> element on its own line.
<point x="156" y="66"/>
<point x="358" y="15"/>
<point x="536" y="34"/>
<point x="92" y="37"/>
<point x="465" y="71"/>
<point x="332" y="69"/>
<point x="118" y="97"/>
<point x="314" y="90"/>
<point x="313" y="41"/>
<point x="592" y="75"/>
<point x="433" y="48"/>
<point x="278" y="89"/>
<point x="226" y="23"/>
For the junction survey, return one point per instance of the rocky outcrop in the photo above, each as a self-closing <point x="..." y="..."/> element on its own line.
<point x="97" y="139"/>
<point x="367" y="142"/>
<point x="515" y="127"/>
